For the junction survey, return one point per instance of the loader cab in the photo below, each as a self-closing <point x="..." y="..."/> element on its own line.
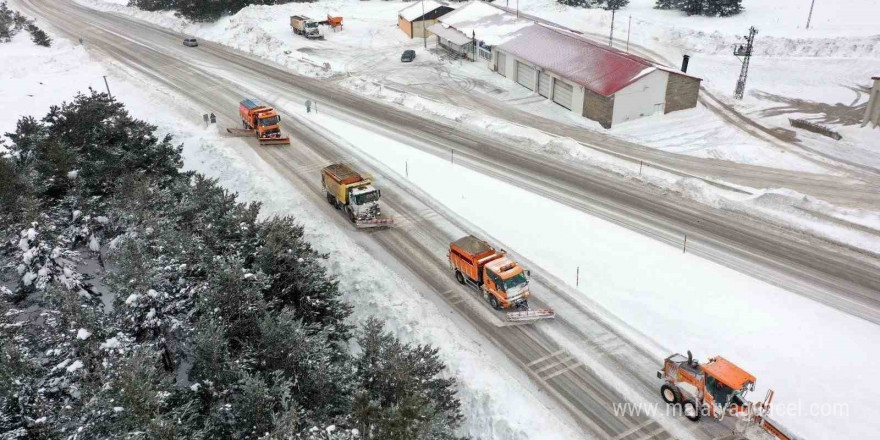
<point x="727" y="383"/>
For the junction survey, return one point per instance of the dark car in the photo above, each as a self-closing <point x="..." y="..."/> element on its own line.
<point x="190" y="42"/>
<point x="408" y="56"/>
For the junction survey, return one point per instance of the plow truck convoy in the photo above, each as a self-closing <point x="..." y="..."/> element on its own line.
<point x="355" y="195"/>
<point x="716" y="388"/>
<point x="260" y="121"/>
<point x="503" y="282"/>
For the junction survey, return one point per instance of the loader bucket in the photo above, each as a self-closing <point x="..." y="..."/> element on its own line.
<point x="374" y="223"/>
<point x="530" y="315"/>
<point x="275" y="141"/>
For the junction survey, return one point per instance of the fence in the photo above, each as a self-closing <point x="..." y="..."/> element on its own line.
<point x="815" y="128"/>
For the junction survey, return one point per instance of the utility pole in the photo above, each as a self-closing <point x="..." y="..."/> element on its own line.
<point x="424" y="33"/>
<point x="108" y="86"/>
<point x="628" y="28"/>
<point x="611" y="36"/>
<point x="810" y="17"/>
<point x="746" y="53"/>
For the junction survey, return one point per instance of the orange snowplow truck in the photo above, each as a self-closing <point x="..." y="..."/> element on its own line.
<point x="261" y="120"/>
<point x="715" y="389"/>
<point x="503" y="282"/>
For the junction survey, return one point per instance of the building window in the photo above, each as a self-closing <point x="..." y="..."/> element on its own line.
<point x="484" y="51"/>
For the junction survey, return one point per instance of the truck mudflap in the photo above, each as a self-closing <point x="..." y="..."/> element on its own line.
<point x="530" y="315"/>
<point x="384" y="222"/>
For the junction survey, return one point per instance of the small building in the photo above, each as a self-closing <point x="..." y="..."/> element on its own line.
<point x="872" y="113"/>
<point x="414" y="20"/>
<point x="589" y="78"/>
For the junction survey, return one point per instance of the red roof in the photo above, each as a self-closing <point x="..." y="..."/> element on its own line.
<point x="597" y="67"/>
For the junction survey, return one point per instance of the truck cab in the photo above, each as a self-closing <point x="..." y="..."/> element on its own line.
<point x="506" y="281"/>
<point x="364" y="202"/>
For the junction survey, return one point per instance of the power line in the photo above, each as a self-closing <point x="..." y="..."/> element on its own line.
<point x="810" y="17"/>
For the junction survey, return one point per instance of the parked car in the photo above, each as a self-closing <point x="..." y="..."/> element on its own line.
<point x="408" y="56"/>
<point x="190" y="42"/>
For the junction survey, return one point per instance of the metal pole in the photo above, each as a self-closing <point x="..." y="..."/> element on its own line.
<point x="810" y="17"/>
<point x="685" y="246"/>
<point x="611" y="36"/>
<point x="108" y="86"/>
<point x="628" y="28"/>
<point x="406" y="165"/>
<point x="452" y="159"/>
<point x="577" y="277"/>
<point x="424" y="33"/>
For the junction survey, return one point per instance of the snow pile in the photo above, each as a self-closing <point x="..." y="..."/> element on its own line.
<point x="488" y="23"/>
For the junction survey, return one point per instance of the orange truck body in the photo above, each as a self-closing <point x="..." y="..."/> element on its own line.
<point x="262" y="119"/>
<point x="493" y="272"/>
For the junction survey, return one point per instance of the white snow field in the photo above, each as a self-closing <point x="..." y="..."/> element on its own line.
<point x="495" y="394"/>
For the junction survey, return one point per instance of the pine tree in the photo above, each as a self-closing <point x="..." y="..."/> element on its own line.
<point x="612" y="4"/>
<point x="576" y="3"/>
<point x="38" y="36"/>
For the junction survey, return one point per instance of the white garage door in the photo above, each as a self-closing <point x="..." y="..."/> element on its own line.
<point x="525" y="75"/>
<point x="501" y="67"/>
<point x="544" y="85"/>
<point x="562" y="93"/>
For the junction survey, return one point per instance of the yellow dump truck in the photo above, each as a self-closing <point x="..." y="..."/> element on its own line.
<point x="355" y="195"/>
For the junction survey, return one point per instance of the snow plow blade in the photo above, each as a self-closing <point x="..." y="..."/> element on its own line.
<point x="240" y="131"/>
<point x="275" y="141"/>
<point x="374" y="223"/>
<point x="530" y="315"/>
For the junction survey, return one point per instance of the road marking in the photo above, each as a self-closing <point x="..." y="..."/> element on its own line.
<point x="544" y="358"/>
<point x="653" y="434"/>
<point x="563" y="360"/>
<point x="564" y="370"/>
<point x="631" y="431"/>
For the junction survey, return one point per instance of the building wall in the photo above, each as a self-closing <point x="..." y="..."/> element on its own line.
<point x="405" y="26"/>
<point x="645" y="97"/>
<point x="681" y="92"/>
<point x="417" y="28"/>
<point x="872" y="112"/>
<point x="598" y="108"/>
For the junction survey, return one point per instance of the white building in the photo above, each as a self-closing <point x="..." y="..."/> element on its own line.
<point x="598" y="82"/>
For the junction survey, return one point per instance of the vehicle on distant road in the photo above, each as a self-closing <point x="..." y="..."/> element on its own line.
<point x="306" y="27"/>
<point x="190" y="42"/>
<point x="408" y="56"/>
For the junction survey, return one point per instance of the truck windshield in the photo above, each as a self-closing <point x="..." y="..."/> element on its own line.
<point x="517" y="280"/>
<point x="265" y="122"/>
<point x="312" y="25"/>
<point x="371" y="196"/>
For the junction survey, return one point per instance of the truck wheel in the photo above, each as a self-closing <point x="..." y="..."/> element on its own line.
<point x="670" y="394"/>
<point x="494" y="302"/>
<point x="459" y="277"/>
<point x="691" y="410"/>
<point x="351" y="215"/>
